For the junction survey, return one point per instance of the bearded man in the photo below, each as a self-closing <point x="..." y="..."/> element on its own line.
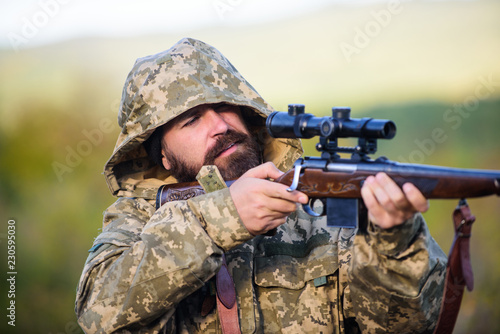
<point x="157" y="270"/>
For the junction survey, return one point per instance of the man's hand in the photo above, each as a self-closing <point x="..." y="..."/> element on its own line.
<point x="387" y="204"/>
<point x="263" y="205"/>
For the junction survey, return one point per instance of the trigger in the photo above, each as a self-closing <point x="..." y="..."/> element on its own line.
<point x="310" y="211"/>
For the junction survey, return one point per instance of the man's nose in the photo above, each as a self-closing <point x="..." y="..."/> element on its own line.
<point x="217" y="123"/>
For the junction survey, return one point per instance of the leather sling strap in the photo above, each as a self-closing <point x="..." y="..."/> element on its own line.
<point x="458" y="271"/>
<point x="226" y="301"/>
<point x="210" y="179"/>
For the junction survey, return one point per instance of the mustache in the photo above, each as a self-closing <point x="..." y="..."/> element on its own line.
<point x="222" y="143"/>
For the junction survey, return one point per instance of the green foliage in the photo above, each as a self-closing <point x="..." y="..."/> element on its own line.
<point x="56" y="218"/>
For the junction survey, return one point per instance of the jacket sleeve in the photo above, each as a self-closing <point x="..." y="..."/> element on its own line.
<point x="135" y="278"/>
<point x="397" y="279"/>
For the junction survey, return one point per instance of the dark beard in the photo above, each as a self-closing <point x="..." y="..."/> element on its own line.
<point x="231" y="168"/>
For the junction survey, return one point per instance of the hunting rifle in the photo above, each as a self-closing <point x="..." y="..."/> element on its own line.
<point x="337" y="181"/>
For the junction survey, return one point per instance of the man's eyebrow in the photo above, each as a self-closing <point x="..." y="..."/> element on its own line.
<point x="185" y="115"/>
<point x="195" y="110"/>
<point x="188" y="113"/>
<point x="219" y="104"/>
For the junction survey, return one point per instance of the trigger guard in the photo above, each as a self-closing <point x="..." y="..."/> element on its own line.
<point x="311" y="212"/>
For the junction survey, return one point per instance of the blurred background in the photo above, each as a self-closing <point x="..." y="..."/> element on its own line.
<point x="431" y="66"/>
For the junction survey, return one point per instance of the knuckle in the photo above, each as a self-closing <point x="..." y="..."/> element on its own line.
<point x="290" y="207"/>
<point x="400" y="201"/>
<point x="268" y="164"/>
<point x="386" y="202"/>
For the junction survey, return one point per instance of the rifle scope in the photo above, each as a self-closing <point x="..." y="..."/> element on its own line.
<point x="297" y="124"/>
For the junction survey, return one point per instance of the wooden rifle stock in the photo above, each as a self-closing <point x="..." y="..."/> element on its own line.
<point x="179" y="191"/>
<point x="321" y="179"/>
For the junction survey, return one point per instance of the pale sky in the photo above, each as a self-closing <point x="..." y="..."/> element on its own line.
<point x="32" y="23"/>
<point x="35" y="22"/>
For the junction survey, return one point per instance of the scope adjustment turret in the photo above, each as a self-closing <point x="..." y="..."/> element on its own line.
<point x="296" y="109"/>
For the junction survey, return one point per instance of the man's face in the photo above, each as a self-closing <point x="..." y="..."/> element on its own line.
<point x="209" y="134"/>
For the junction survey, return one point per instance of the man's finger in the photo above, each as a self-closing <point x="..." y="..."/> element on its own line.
<point x="265" y="171"/>
<point x="369" y="198"/>
<point x="415" y="197"/>
<point x="278" y="190"/>
<point x="396" y="197"/>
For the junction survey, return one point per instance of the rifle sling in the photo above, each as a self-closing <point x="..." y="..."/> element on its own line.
<point x="209" y="179"/>
<point x="459" y="270"/>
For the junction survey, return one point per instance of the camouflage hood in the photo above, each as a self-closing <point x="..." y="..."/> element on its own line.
<point x="163" y="86"/>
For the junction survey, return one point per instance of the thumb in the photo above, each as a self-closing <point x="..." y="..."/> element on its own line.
<point x="264" y="171"/>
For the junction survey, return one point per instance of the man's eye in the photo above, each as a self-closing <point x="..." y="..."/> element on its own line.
<point x="191" y="121"/>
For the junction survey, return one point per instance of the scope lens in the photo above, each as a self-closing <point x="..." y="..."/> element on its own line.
<point x="326" y="127"/>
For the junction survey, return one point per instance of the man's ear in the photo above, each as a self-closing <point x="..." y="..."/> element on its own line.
<point x="165" y="161"/>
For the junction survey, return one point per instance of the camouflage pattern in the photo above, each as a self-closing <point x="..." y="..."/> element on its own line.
<point x="210" y="179"/>
<point x="150" y="271"/>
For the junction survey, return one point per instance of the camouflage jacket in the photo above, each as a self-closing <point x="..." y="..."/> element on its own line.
<point x="149" y="271"/>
